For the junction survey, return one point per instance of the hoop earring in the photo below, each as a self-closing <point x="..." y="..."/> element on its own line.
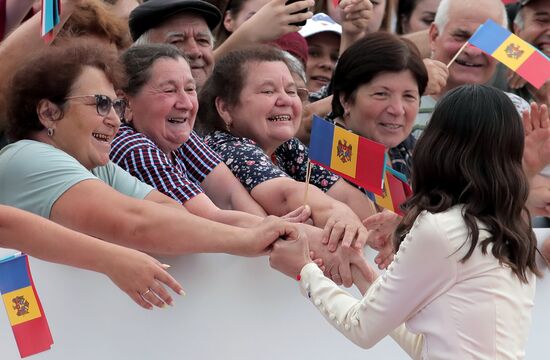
<point x="50" y="132"/>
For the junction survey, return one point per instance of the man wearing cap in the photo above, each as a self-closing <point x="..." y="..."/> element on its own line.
<point x="187" y="24"/>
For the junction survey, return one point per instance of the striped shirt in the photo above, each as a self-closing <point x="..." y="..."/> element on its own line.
<point x="180" y="179"/>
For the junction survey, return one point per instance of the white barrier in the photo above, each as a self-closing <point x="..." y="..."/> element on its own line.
<point x="236" y="308"/>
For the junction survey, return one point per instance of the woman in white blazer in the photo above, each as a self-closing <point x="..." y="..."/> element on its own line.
<point x="462" y="283"/>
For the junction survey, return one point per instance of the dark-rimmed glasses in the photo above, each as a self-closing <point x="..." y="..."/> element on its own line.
<point x="103" y="104"/>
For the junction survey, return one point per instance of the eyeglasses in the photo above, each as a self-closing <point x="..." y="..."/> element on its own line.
<point x="103" y="104"/>
<point x="303" y="94"/>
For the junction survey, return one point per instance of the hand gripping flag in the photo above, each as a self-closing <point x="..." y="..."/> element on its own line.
<point x="351" y="156"/>
<point x="514" y="52"/>
<point x="25" y="313"/>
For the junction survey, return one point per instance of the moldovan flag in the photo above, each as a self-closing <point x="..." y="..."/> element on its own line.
<point x="520" y="56"/>
<point x="351" y="156"/>
<point x="25" y="312"/>
<point x="396" y="191"/>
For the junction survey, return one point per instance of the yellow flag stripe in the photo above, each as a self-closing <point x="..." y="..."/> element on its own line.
<point x="513" y="52"/>
<point x="344" y="151"/>
<point x="21" y="305"/>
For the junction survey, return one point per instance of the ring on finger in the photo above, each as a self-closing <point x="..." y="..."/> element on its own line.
<point x="146" y="292"/>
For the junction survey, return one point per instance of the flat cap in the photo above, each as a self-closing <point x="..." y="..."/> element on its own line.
<point x="153" y="12"/>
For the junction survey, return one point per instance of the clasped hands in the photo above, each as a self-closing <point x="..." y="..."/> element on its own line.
<point x="340" y="259"/>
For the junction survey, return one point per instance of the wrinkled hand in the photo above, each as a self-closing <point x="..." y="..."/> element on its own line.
<point x="515" y="81"/>
<point x="355" y="16"/>
<point x="258" y="239"/>
<point x="337" y="265"/>
<point x="437" y="76"/>
<point x="538" y="201"/>
<point x="381" y="227"/>
<point x="290" y="256"/>
<point x="300" y="215"/>
<point x="273" y="19"/>
<point x="135" y="273"/>
<point x="345" y="227"/>
<point x="536" y="153"/>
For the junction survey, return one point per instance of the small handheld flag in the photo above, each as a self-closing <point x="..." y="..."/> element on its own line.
<point x="396" y="191"/>
<point x="514" y="52"/>
<point x="49" y="18"/>
<point x="351" y="156"/>
<point x="25" y="313"/>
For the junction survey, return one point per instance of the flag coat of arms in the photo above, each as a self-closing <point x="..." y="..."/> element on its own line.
<point x="351" y="156"/>
<point x="514" y="52"/>
<point x="25" y="313"/>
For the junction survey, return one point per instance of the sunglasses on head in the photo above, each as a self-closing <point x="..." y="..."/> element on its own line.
<point x="103" y="104"/>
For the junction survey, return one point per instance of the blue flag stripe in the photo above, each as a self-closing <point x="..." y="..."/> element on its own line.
<point x="322" y="136"/>
<point x="14" y="275"/>
<point x="489" y="36"/>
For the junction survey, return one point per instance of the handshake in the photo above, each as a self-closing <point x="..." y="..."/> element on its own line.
<point x="346" y="265"/>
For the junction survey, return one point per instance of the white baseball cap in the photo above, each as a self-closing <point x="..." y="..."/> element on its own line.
<point x="320" y="22"/>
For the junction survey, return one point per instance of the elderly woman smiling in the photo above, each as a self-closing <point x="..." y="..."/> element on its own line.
<point x="157" y="143"/>
<point x="253" y="128"/>
<point x="380" y="99"/>
<point x="63" y="116"/>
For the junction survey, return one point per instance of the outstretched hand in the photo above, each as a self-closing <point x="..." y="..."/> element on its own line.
<point x="382" y="227"/>
<point x="345" y="228"/>
<point x="536" y="153"/>
<point x="141" y="277"/>
<point x="273" y="20"/>
<point x="300" y="215"/>
<point x="355" y="16"/>
<point x="290" y="256"/>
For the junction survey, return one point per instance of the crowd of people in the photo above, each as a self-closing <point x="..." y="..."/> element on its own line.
<point x="168" y="127"/>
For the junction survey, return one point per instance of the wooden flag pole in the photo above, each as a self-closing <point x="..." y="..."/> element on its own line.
<point x="308" y="175"/>
<point x="456" y="55"/>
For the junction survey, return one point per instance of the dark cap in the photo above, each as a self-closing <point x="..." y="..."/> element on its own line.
<point x="295" y="44"/>
<point x="153" y="12"/>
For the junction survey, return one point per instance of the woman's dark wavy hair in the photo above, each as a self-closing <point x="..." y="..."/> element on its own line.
<point x="471" y="154"/>
<point x="50" y="74"/>
<point x="228" y="80"/>
<point x="370" y="56"/>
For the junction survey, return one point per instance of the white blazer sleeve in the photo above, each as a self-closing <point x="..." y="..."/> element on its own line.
<point x="422" y="269"/>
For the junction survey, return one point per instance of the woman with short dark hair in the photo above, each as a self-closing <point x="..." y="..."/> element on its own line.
<point x="380" y="99"/>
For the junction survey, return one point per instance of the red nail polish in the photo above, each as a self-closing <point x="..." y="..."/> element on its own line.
<point x="298" y="277"/>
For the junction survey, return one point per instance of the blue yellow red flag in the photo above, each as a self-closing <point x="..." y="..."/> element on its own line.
<point x="517" y="54"/>
<point x="351" y="156"/>
<point x="396" y="191"/>
<point x="25" y="313"/>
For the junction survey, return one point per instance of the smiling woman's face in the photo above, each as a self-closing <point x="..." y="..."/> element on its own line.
<point x="384" y="109"/>
<point x="82" y="132"/>
<point x="166" y="106"/>
<point x="269" y="109"/>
